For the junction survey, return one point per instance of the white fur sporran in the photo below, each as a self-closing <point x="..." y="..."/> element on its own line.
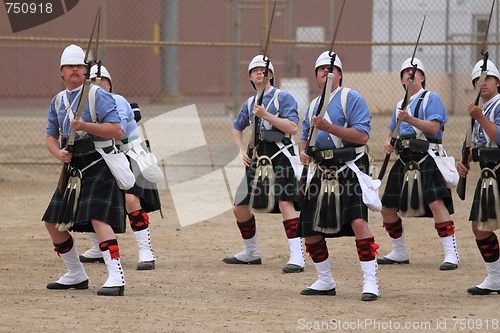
<point x="262" y="196"/>
<point x="489" y="205"/>
<point x="327" y="218"/>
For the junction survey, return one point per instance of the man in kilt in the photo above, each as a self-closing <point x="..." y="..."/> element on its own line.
<point x="342" y="134"/>
<point x="278" y="119"/>
<point x="143" y="197"/>
<point x="101" y="203"/>
<point x="485" y="209"/>
<point x="421" y="123"/>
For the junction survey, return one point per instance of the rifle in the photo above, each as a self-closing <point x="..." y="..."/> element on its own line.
<point x="254" y="138"/>
<point x="63" y="177"/>
<point x="470" y="127"/>
<point x="404" y="104"/>
<point x="311" y="148"/>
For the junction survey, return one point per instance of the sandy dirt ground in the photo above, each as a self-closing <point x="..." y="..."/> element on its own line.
<point x="191" y="290"/>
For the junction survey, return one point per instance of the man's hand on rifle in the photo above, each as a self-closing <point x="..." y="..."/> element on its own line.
<point x="320" y="123"/>
<point x="388" y="148"/>
<point x="245" y="158"/>
<point x="304" y="158"/>
<point x="260" y="111"/>
<point x="462" y="170"/>
<point x="404" y="115"/>
<point x="475" y="111"/>
<point x="64" y="156"/>
<point x="78" y="125"/>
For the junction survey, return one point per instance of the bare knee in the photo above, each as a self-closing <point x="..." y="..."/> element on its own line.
<point x="360" y="228"/>
<point x="389" y="215"/>
<point x="242" y="213"/>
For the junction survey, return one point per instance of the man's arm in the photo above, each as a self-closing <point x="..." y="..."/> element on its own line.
<point x="350" y="134"/>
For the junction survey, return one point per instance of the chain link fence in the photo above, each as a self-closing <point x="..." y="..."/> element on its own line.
<point x="168" y="54"/>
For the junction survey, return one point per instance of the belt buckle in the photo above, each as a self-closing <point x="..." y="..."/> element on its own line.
<point x="406" y="143"/>
<point x="327" y="154"/>
<point x="261" y="136"/>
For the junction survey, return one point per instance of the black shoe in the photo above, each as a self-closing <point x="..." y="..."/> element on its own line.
<point x="111" y="291"/>
<point x="292" y="268"/>
<point x="87" y="259"/>
<point x="310" y="291"/>
<point x="146" y="265"/>
<point x="368" y="297"/>
<point x="57" y="285"/>
<point x="387" y="261"/>
<point x="448" y="266"/>
<point x="479" y="291"/>
<point x="233" y="260"/>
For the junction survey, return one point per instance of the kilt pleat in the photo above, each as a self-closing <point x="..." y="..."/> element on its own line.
<point x="285" y="187"/>
<point x="147" y="192"/>
<point x="351" y="199"/>
<point x="100" y="199"/>
<point x="433" y="183"/>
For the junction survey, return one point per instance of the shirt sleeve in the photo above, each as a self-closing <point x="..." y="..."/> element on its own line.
<point x="358" y="115"/>
<point x="435" y="109"/>
<point x="242" y="121"/>
<point x="305" y="123"/>
<point x="52" y="123"/>
<point x="288" y="107"/>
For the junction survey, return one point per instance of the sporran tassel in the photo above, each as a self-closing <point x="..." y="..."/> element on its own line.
<point x="484" y="202"/>
<point x="412" y="196"/>
<point x="262" y="198"/>
<point x="492" y="214"/>
<point x="403" y="201"/>
<point x="327" y="216"/>
<point x="414" y="202"/>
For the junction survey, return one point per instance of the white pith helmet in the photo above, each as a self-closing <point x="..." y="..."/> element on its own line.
<point x="104" y="73"/>
<point x="258" y="61"/>
<point x="407" y="64"/>
<point x="490" y="68"/>
<point x="73" y="55"/>
<point x="325" y="59"/>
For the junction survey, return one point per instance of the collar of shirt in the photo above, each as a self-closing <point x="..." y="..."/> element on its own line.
<point x="491" y="101"/>
<point x="75" y="90"/>
<point x="413" y="97"/>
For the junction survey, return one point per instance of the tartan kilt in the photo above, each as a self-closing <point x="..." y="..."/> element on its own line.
<point x="100" y="198"/>
<point x="351" y="199"/>
<point x="433" y="183"/>
<point x="474" y="211"/>
<point x="147" y="192"/>
<point x="285" y="186"/>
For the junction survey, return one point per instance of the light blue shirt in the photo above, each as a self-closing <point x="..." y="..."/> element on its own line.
<point x="287" y="109"/>
<point x="478" y="137"/>
<point x="127" y="117"/>
<point x="434" y="110"/>
<point x="105" y="107"/>
<point x="358" y="116"/>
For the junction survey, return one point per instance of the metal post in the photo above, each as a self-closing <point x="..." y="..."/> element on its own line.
<point x="236" y="24"/>
<point x="389" y="56"/>
<point x="169" y="66"/>
<point x="289" y="36"/>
